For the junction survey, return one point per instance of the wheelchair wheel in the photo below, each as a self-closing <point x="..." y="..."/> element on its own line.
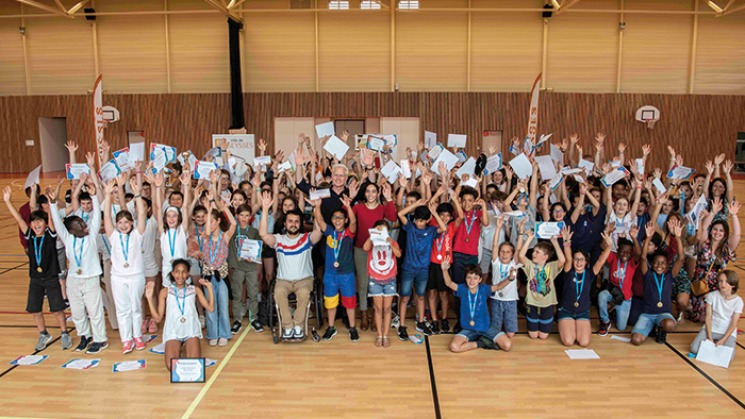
<point x="318" y="302"/>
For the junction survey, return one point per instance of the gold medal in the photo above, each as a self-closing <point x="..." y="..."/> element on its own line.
<point x="336" y="264"/>
<point x="659" y="304"/>
<point x="576" y="304"/>
<point x="80" y="271"/>
<point x="126" y="265"/>
<point x="183" y="320"/>
<point x="466" y="239"/>
<point x="473" y="323"/>
<point x="38" y="269"/>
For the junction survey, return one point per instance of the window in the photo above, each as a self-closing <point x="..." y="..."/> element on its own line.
<point x="339" y="5"/>
<point x="408" y="4"/>
<point x="369" y="5"/>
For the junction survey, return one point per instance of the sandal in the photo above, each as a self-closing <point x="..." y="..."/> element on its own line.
<point x="386" y="342"/>
<point x="379" y="341"/>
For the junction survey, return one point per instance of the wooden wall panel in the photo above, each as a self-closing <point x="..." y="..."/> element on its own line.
<point x="60" y="55"/>
<point x="354" y="51"/>
<point x="279" y="52"/>
<point x="582" y="53"/>
<point x="12" y="70"/>
<point x="656" y="50"/>
<point x="132" y="48"/>
<point x="720" y="61"/>
<point x="199" y="50"/>
<point x="699" y="126"/>
<point x="431" y="51"/>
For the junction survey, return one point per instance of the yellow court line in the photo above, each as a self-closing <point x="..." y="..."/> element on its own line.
<point x="212" y="379"/>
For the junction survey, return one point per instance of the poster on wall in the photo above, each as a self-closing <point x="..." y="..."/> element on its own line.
<point x="241" y="145"/>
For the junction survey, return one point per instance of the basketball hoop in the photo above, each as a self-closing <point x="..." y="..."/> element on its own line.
<point x="648" y="114"/>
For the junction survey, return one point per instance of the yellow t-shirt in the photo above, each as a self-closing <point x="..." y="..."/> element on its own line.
<point x="541" y="291"/>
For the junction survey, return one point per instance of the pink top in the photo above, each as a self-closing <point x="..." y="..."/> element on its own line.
<point x="366" y="219"/>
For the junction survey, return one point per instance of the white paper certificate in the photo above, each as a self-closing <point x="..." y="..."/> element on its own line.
<point x="202" y="169"/>
<point x="493" y="163"/>
<point x="614" y="176"/>
<point x="522" y="167"/>
<point x="75" y="170"/>
<point x="457" y="140"/>
<point x="379" y="237"/>
<point x="109" y="171"/>
<point x="336" y="147"/>
<point x="430" y="140"/>
<point x="187" y="370"/>
<point x="548" y="230"/>
<point x="320" y="194"/>
<point x="121" y="157"/>
<point x="251" y="250"/>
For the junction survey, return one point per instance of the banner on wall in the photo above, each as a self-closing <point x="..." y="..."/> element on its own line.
<point x="533" y="112"/>
<point x="98" y="119"/>
<point x="241" y="145"/>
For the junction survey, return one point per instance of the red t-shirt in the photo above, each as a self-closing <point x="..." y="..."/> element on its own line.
<point x="443" y="245"/>
<point x="617" y="270"/>
<point x="381" y="264"/>
<point x="366" y="219"/>
<point x="471" y="247"/>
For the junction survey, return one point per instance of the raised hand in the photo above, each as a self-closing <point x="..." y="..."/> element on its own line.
<point x="71" y="146"/>
<point x="646" y="149"/>
<point x="346" y="201"/>
<point x="719" y="159"/>
<point x="716" y="205"/>
<point x="262" y="145"/>
<point x="727" y="168"/>
<point x="387" y="192"/>
<point x="671" y="151"/>
<point x="634" y="231"/>
<point x="709" y="167"/>
<point x="607" y="238"/>
<point x="90" y="159"/>
<point x="354" y="188"/>
<point x="108" y="187"/>
<point x="266" y="200"/>
<point x="445" y="265"/>
<point x="7" y="194"/>
<point x="205" y="283"/>
<point x="621" y="148"/>
<point x="574" y="138"/>
<point x="600" y="138"/>
<point x="734" y="208"/>
<point x="566" y="233"/>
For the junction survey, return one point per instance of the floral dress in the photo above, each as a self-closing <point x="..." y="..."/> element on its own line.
<point x="708" y="266"/>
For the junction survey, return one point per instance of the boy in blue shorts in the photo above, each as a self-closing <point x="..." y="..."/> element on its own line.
<point x="339" y="270"/>
<point x="474" y="316"/>
<point x="415" y="268"/>
<point x="658" y="290"/>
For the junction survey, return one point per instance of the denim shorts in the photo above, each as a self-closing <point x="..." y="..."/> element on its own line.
<point x="414" y="279"/>
<point x="503" y="316"/>
<point x="646" y="322"/>
<point x="381" y="290"/>
<point x="472" y="335"/>
<point x="566" y="314"/>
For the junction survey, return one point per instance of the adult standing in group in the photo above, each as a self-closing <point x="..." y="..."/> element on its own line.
<point x="339" y="173"/>
<point x="294" y="266"/>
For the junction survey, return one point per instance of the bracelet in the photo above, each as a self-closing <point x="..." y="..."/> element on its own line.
<point x="138" y="196"/>
<point x="212" y="200"/>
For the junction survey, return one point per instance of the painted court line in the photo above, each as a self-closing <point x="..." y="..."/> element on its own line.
<point x="70" y="330"/>
<point x="432" y="380"/>
<point x="212" y="379"/>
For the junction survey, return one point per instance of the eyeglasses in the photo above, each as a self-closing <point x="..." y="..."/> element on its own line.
<point x="338" y="217"/>
<point x="580" y="259"/>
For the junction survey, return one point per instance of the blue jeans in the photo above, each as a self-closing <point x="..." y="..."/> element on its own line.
<point x="647" y="322"/>
<point x="622" y="311"/>
<point x="414" y="279"/>
<point x="218" y="321"/>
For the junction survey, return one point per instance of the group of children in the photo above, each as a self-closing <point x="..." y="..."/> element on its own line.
<point x="652" y="248"/>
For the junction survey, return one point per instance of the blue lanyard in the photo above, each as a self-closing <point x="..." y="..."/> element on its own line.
<point x="125" y="249"/>
<point x="579" y="286"/>
<point x="240" y="237"/>
<point x="78" y="255"/>
<point x="213" y="251"/>
<point x="200" y="240"/>
<point x="172" y="240"/>
<point x="469" y="226"/>
<point x="337" y="243"/>
<point x="181" y="304"/>
<point x="85" y="216"/>
<point x="439" y="242"/>
<point x="660" y="282"/>
<point x="622" y="273"/>
<point x="38" y="249"/>
<point x="473" y="302"/>
<point x="105" y="244"/>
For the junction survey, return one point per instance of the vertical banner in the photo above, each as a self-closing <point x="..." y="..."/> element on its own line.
<point x="533" y="113"/>
<point x="241" y="145"/>
<point x="98" y="123"/>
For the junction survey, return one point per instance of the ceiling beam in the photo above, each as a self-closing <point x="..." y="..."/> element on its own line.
<point x="224" y="9"/>
<point x="44" y="7"/>
<point x="569" y="4"/>
<point x="61" y="6"/>
<point x="77" y="7"/>
<point x="735" y="10"/>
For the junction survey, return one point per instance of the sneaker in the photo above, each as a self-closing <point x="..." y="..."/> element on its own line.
<point x="354" y="336"/>
<point x="423" y="328"/>
<point x="152" y="326"/>
<point x="139" y="343"/>
<point x="435" y="327"/>
<point x="444" y="326"/>
<point x="212" y="342"/>
<point x="402" y="335"/>
<point x="127" y="347"/>
<point x="222" y="342"/>
<point x="237" y="326"/>
<point x="298" y="333"/>
<point x="67" y="304"/>
<point x="395" y="322"/>
<point x="288" y="334"/>
<point x="603" y="328"/>
<point x="487" y="343"/>
<point x="97" y="347"/>
<point x="330" y="333"/>
<point x="44" y="339"/>
<point x="83" y="345"/>
<point x="66" y="341"/>
<point x="661" y="335"/>
<point x="202" y="322"/>
<point x="256" y="325"/>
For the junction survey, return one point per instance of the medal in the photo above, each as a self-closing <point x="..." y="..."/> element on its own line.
<point x="472" y="323"/>
<point x="439" y="257"/>
<point x="576" y="304"/>
<point x="466" y="239"/>
<point x="180" y="303"/>
<point x="577" y="287"/>
<point x="659" y="304"/>
<point x="337" y="246"/>
<point x="37" y="251"/>
<point x="38" y="269"/>
<point x="78" y="253"/>
<point x="125" y="250"/>
<point x="183" y="320"/>
<point x="473" y="304"/>
<point x="80" y="271"/>
<point x="660" y="282"/>
<point x="336" y="264"/>
<point x="126" y="265"/>
<point x="439" y="242"/>
<point x="469" y="226"/>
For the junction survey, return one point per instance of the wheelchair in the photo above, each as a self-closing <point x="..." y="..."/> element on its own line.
<point x="275" y="319"/>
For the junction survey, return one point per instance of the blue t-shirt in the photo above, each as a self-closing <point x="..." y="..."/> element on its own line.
<point x="345" y="248"/>
<point x="418" y="246"/>
<point x="652" y="292"/>
<point x="469" y="301"/>
<point x="574" y="282"/>
<point x="587" y="230"/>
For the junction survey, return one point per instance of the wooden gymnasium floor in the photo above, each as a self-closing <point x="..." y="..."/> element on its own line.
<point x="255" y="378"/>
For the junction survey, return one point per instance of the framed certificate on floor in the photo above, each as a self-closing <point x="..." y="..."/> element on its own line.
<point x="187" y="370"/>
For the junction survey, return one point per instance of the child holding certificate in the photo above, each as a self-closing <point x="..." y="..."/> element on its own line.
<point x="177" y="303"/>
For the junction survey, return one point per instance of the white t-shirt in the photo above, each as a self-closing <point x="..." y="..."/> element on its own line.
<point x="294" y="260"/>
<point x="722" y="311"/>
<point x="148" y="241"/>
<point x="177" y="238"/>
<point x="623" y="226"/>
<point x="118" y="241"/>
<point x="501" y="272"/>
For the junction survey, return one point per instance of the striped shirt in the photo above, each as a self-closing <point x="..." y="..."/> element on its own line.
<point x="294" y="260"/>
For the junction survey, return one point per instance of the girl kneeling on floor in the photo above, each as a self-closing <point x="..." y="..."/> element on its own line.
<point x="177" y="303"/>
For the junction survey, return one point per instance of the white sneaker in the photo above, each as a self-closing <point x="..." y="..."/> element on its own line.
<point x="222" y="342"/>
<point x="288" y="334"/>
<point x="212" y="342"/>
<point x="298" y="333"/>
<point x="395" y="322"/>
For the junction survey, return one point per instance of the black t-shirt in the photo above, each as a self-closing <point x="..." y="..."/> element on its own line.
<point x="46" y="245"/>
<point x="574" y="282"/>
<point x="652" y="293"/>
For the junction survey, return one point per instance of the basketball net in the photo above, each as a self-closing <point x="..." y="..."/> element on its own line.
<point x="650" y="123"/>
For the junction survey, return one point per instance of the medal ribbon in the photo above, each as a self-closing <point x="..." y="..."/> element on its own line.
<point x="37" y="249"/>
<point x="473" y="302"/>
<point x="125" y="249"/>
<point x="78" y="254"/>
<point x="660" y="282"/>
<point x="577" y="287"/>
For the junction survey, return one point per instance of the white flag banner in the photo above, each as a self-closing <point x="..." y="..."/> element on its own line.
<point x="533" y="111"/>
<point x="98" y="123"/>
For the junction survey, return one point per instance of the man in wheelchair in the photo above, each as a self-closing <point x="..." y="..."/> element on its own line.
<point x="294" y="266"/>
